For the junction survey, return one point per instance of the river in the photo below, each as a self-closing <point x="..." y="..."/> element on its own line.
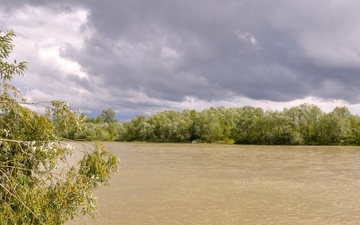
<point x="230" y="184"/>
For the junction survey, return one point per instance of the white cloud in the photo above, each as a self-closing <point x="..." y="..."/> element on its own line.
<point x="247" y="37"/>
<point x="169" y="53"/>
<point x="42" y="34"/>
<point x="50" y="55"/>
<point x="43" y="26"/>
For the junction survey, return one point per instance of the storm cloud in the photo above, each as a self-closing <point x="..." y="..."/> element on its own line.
<point x="145" y="55"/>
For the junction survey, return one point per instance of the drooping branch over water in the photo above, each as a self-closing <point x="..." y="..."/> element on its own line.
<point x="37" y="183"/>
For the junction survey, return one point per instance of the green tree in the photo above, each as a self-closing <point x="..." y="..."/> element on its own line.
<point x="35" y="185"/>
<point x="308" y="120"/>
<point x="108" y="115"/>
<point x="354" y="137"/>
<point x="208" y="126"/>
<point x="335" y="127"/>
<point x="170" y="126"/>
<point x="247" y="128"/>
<point x="138" y="129"/>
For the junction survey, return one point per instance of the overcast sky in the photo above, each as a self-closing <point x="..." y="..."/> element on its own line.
<point x="142" y="56"/>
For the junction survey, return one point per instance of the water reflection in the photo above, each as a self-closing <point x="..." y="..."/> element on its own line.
<point x="229" y="184"/>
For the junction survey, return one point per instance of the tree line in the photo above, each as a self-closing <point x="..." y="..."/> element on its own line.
<point x="305" y="124"/>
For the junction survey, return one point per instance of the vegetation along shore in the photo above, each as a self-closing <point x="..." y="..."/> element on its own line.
<point x="305" y="124"/>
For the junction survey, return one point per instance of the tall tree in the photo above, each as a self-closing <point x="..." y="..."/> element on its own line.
<point x="108" y="115"/>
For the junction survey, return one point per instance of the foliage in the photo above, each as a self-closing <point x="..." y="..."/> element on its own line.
<point x="38" y="182"/>
<point x="303" y="124"/>
<point x="108" y="115"/>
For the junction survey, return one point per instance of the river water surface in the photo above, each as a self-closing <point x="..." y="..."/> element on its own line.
<point x="230" y="184"/>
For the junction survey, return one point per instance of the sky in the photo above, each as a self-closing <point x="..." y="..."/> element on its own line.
<point x="145" y="56"/>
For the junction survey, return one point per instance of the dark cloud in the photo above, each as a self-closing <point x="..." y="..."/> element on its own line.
<point x="265" y="50"/>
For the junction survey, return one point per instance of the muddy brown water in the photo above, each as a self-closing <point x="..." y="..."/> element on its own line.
<point x="230" y="184"/>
